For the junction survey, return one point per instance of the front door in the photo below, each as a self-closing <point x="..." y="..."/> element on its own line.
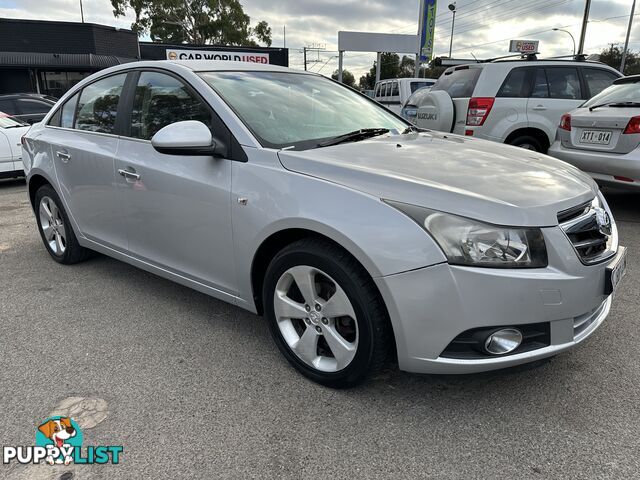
<point x="83" y="147"/>
<point x="177" y="207"/>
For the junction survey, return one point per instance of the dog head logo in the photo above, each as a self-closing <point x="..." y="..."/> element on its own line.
<point x="62" y="433"/>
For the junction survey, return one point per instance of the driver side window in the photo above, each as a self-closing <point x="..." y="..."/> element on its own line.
<point x="161" y="100"/>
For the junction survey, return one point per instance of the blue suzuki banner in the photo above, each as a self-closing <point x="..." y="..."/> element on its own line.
<point x="427" y="27"/>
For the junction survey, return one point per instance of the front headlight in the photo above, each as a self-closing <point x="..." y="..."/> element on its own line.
<point x="469" y="242"/>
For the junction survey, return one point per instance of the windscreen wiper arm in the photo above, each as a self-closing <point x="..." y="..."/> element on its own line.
<point x="616" y="105"/>
<point x="354" y="136"/>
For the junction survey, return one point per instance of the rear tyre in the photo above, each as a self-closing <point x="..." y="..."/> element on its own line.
<point x="325" y="314"/>
<point x="55" y="229"/>
<point x="528" y="142"/>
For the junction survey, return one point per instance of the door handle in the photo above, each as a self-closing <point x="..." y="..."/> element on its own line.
<point x="539" y="108"/>
<point x="64" y="156"/>
<point x="129" y="174"/>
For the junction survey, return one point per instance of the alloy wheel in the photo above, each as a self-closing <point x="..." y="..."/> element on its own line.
<point x="316" y="318"/>
<point x="53" y="226"/>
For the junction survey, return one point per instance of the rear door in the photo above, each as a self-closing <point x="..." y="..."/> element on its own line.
<point x="83" y="148"/>
<point x="556" y="90"/>
<point x="178" y="209"/>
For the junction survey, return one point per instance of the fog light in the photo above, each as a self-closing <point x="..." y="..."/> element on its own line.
<point x="503" y="341"/>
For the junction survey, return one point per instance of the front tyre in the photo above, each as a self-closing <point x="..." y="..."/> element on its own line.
<point x="55" y="228"/>
<point x="325" y="314"/>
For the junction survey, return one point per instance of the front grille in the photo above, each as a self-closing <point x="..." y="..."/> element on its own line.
<point x="468" y="345"/>
<point x="590" y="230"/>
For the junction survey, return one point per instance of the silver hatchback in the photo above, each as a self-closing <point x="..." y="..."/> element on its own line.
<point x="602" y="137"/>
<point x="359" y="237"/>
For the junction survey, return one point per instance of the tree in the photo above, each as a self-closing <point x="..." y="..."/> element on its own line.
<point x="199" y="22"/>
<point x="612" y="56"/>
<point x="347" y="78"/>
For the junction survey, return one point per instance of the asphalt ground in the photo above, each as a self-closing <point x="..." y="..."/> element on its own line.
<point x="192" y="387"/>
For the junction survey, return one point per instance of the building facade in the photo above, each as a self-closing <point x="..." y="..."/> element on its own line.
<point x="50" y="57"/>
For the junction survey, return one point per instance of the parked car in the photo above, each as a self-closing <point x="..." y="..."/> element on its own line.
<point x="518" y="102"/>
<point x="11" y="131"/>
<point x="28" y="107"/>
<point x="602" y="137"/>
<point x="353" y="233"/>
<point x="393" y="93"/>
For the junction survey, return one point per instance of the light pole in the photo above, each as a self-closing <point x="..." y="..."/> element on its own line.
<point x="572" y="39"/>
<point x="452" y="7"/>
<point x="626" y="42"/>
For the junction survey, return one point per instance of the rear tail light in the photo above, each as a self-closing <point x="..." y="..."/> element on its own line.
<point x="479" y="108"/>
<point x="565" y="122"/>
<point x="633" y="126"/>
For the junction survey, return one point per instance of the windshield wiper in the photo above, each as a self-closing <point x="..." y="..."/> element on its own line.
<point x="354" y="136"/>
<point x="413" y="129"/>
<point x="615" y="105"/>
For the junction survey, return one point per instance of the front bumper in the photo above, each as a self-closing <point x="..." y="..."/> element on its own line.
<point x="430" y="307"/>
<point x="602" y="166"/>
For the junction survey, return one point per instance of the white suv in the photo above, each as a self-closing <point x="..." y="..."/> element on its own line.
<point x="518" y="102"/>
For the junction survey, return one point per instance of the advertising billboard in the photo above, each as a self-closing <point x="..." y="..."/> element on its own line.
<point x="427" y="28"/>
<point x="229" y="56"/>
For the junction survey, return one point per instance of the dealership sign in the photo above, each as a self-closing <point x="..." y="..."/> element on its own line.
<point x="228" y="56"/>
<point x="524" y="46"/>
<point x="427" y="28"/>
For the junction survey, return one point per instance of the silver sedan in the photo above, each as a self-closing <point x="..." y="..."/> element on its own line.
<point x="602" y="137"/>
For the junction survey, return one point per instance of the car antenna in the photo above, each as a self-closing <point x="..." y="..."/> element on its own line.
<point x="474" y="57"/>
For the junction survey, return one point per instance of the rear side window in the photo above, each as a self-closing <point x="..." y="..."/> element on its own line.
<point x="395" y="90"/>
<point x="517" y="84"/>
<point x="540" y="85"/>
<point x="161" y="100"/>
<point x="68" y="112"/>
<point x="98" y="105"/>
<point x="598" y="79"/>
<point x="564" y="83"/>
<point x="458" y="83"/>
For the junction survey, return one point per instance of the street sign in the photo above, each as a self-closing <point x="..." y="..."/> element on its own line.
<point x="524" y="46"/>
<point x="427" y="28"/>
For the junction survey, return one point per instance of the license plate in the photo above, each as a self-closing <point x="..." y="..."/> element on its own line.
<point x="595" y="137"/>
<point x="615" y="271"/>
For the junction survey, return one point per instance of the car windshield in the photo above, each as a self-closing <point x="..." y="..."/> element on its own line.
<point x="625" y="92"/>
<point x="298" y="110"/>
<point x="7" y="121"/>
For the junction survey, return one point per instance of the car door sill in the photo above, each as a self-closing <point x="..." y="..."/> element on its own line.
<point x="161" y="272"/>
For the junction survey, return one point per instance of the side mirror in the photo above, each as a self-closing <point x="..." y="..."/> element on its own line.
<point x="189" y="137"/>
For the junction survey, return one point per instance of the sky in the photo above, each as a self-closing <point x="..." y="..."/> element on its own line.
<point x="482" y="28"/>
